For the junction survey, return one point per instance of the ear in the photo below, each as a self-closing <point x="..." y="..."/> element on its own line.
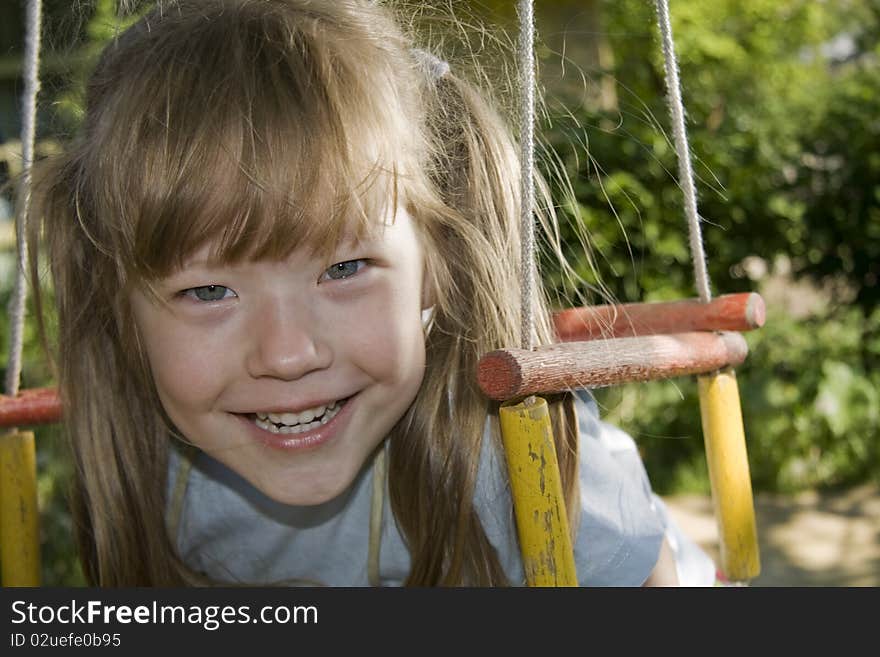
<point x="428" y="299"/>
<point x="429" y="296"/>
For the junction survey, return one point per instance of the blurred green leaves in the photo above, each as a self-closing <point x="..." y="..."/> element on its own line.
<point x="782" y="115"/>
<point x="782" y="112"/>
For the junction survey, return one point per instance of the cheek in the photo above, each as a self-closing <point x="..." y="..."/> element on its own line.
<point x="388" y="340"/>
<point x="185" y="371"/>
<point x="182" y="385"/>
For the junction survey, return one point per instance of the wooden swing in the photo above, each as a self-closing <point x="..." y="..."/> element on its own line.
<point x="19" y="517"/>
<point x="509" y="375"/>
<point x="599" y="346"/>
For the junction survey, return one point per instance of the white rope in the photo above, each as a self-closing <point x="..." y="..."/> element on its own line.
<point x="682" y="148"/>
<point x="28" y="130"/>
<point x="527" y="148"/>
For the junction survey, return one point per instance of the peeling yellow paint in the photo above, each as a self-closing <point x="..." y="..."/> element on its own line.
<point x="542" y="523"/>
<point x="19" y="516"/>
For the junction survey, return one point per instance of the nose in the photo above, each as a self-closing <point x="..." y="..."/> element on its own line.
<point x="286" y="343"/>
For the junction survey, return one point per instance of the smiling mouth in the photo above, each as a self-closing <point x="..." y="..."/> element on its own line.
<point x="294" y="423"/>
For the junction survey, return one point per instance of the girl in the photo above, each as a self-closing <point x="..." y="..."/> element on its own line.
<point x="278" y="250"/>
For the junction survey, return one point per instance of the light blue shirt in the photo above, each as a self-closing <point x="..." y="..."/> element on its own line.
<point x="233" y="533"/>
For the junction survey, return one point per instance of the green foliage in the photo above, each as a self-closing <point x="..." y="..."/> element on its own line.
<point x="785" y="139"/>
<point x="813" y="406"/>
<point x="786" y="143"/>
<point x="103" y="23"/>
<point x="811" y="409"/>
<point x="839" y="186"/>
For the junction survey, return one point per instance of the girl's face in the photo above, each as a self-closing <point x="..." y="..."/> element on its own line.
<point x="288" y="372"/>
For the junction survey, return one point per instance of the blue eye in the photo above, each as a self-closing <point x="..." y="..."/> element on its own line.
<point x="209" y="293"/>
<point x="342" y="270"/>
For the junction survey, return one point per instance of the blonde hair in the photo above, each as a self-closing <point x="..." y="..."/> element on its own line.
<point x="206" y="118"/>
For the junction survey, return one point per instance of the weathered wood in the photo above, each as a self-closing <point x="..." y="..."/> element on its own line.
<point x="512" y="373"/>
<point x="19" y="513"/>
<point x="730" y="312"/>
<point x="728" y="463"/>
<point x="30" y="407"/>
<point x="536" y="485"/>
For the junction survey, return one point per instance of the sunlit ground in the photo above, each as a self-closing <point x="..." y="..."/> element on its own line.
<point x="809" y="539"/>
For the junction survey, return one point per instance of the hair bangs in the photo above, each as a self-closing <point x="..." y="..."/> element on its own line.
<point x="295" y="139"/>
<point x="294" y="189"/>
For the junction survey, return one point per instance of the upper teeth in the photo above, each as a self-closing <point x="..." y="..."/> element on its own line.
<point x="302" y="421"/>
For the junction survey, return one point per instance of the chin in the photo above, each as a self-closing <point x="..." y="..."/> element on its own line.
<point x="305" y="494"/>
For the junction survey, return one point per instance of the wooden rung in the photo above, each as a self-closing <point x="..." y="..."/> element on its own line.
<point x="728" y="463"/>
<point x="539" y="504"/>
<point x="512" y="373"/>
<point x="730" y="312"/>
<point x="29" y="407"/>
<point x="19" y="512"/>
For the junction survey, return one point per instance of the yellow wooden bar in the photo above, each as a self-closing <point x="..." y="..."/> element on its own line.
<point x="19" y="518"/>
<point x="729" y="475"/>
<point x="541" y="519"/>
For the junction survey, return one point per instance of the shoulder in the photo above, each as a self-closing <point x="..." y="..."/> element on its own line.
<point x="638" y="505"/>
<point x="620" y="529"/>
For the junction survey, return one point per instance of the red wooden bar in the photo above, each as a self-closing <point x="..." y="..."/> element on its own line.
<point x="29" y="407"/>
<point x="730" y="312"/>
<point x="511" y="373"/>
